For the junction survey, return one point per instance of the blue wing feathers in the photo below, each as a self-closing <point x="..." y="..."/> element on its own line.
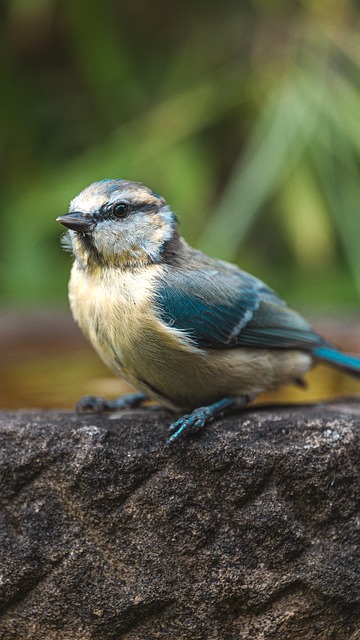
<point x="228" y="308"/>
<point x="350" y="364"/>
<point x="276" y="325"/>
<point x="211" y="314"/>
<point x="223" y="308"/>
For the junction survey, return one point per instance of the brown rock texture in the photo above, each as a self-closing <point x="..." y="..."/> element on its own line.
<point x="250" y="529"/>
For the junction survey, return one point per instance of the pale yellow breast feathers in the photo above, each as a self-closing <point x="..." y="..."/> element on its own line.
<point x="109" y="305"/>
<point x="114" y="310"/>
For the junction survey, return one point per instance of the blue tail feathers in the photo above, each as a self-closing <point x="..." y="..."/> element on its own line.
<point x="349" y="364"/>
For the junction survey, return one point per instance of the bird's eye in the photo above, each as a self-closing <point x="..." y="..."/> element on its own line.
<point x="120" y="210"/>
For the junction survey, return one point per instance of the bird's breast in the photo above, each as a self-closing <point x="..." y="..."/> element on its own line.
<point x="112" y="307"/>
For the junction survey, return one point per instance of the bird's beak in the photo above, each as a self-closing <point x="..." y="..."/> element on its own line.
<point x="76" y="221"/>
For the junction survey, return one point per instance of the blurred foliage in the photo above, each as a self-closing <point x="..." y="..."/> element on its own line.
<point x="244" y="116"/>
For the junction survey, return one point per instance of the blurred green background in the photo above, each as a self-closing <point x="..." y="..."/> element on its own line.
<point x="245" y="116"/>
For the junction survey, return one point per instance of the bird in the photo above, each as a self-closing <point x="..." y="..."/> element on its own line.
<point x="195" y="334"/>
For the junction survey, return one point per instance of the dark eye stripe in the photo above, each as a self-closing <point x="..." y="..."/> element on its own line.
<point x="148" y="207"/>
<point x="123" y="209"/>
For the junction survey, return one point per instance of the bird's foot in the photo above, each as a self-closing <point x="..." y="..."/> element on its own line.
<point x="196" y="420"/>
<point x="191" y="422"/>
<point x="92" y="404"/>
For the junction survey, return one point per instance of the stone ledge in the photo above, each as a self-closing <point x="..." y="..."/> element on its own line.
<point x="248" y="530"/>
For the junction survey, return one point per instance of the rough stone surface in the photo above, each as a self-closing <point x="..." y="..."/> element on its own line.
<point x="248" y="530"/>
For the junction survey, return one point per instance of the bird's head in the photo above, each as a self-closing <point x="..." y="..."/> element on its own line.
<point x="118" y="223"/>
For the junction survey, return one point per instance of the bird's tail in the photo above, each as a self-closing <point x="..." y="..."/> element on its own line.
<point x="349" y="364"/>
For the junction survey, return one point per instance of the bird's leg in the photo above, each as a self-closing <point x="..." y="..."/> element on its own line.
<point x="92" y="404"/>
<point x="200" y="417"/>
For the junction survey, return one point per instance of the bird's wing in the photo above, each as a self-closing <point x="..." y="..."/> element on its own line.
<point x="220" y="307"/>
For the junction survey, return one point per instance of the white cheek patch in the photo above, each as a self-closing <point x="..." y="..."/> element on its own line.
<point x="155" y="231"/>
<point x="108" y="239"/>
<point x="136" y="236"/>
<point x="169" y="222"/>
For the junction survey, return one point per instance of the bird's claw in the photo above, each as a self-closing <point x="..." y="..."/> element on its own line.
<point x="190" y="423"/>
<point x="91" y="404"/>
<point x="98" y="405"/>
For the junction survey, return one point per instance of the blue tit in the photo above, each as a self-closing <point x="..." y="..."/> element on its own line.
<point x="191" y="332"/>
